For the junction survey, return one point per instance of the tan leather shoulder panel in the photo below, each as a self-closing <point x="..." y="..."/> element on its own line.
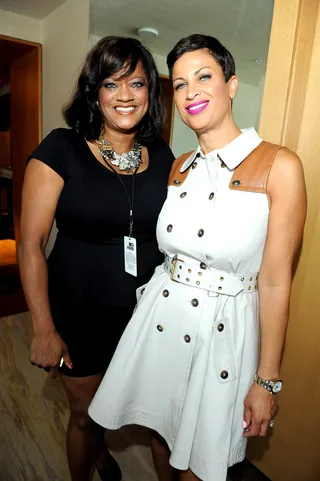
<point x="253" y="173"/>
<point x="176" y="178"/>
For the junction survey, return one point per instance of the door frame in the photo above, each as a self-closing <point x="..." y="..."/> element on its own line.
<point x="171" y="119"/>
<point x="18" y="168"/>
<point x="37" y="46"/>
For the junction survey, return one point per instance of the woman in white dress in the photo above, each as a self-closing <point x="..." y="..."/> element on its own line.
<point x="199" y="361"/>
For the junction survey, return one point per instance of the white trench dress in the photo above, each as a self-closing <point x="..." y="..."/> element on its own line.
<point x="187" y="358"/>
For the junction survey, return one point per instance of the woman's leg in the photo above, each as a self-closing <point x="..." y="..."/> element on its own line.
<point x="161" y="454"/>
<point x="188" y="476"/>
<point x="85" y="439"/>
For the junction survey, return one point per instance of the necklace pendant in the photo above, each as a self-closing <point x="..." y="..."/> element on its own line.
<point x="125" y="161"/>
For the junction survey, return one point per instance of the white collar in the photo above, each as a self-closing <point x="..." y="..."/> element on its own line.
<point x="233" y="153"/>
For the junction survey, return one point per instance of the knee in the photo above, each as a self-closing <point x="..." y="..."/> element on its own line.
<point x="81" y="420"/>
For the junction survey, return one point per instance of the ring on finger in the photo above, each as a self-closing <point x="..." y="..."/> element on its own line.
<point x="271" y="423"/>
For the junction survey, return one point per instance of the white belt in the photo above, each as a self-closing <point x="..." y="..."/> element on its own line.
<point x="203" y="277"/>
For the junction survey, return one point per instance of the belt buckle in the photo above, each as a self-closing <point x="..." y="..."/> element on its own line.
<point x="173" y="267"/>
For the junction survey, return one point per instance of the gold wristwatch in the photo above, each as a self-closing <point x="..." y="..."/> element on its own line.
<point x="273" y="386"/>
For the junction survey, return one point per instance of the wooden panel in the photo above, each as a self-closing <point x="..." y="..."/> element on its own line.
<point x="292" y="451"/>
<point x="168" y="93"/>
<point x="25" y="85"/>
<point x="281" y="47"/>
<point x="5" y="149"/>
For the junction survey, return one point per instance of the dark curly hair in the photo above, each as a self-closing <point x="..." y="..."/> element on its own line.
<point x="199" y="42"/>
<point x="109" y="56"/>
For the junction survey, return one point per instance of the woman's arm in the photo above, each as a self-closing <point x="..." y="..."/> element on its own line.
<point x="41" y="190"/>
<point x="287" y="195"/>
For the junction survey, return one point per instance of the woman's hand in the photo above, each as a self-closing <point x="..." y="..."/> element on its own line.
<point x="47" y="349"/>
<point x="259" y="408"/>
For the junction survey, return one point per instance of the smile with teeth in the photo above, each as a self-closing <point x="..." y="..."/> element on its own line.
<point x="125" y="110"/>
<point x="197" y="107"/>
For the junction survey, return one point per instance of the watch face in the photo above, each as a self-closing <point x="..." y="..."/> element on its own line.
<point x="277" y="387"/>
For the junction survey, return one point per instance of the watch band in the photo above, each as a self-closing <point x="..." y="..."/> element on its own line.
<point x="268" y="384"/>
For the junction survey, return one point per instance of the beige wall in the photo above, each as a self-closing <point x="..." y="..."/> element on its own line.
<point x="65" y="44"/>
<point x="19" y="26"/>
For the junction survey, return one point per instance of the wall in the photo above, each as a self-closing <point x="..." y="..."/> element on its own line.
<point x="93" y="39"/>
<point x="247" y="106"/>
<point x="290" y="116"/>
<point x="19" y="26"/>
<point x="65" y="45"/>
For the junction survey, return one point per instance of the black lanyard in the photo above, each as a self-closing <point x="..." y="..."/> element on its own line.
<point x="130" y="201"/>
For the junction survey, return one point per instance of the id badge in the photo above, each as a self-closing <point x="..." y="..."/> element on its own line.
<point x="130" y="255"/>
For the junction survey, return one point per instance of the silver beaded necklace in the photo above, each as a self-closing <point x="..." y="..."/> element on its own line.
<point x="126" y="161"/>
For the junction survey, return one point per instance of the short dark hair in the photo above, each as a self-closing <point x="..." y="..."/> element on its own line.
<point x="206" y="42"/>
<point x="109" y="56"/>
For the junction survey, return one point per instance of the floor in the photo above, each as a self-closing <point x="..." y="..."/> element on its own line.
<point x="33" y="417"/>
<point x="12" y="300"/>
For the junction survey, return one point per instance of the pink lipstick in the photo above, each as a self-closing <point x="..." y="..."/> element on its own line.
<point x="197" y="107"/>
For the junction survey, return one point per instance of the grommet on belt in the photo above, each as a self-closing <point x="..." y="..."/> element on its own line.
<point x="160" y="328"/>
<point x="177" y="181"/>
<point x="224" y="374"/>
<point x="183" y="195"/>
<point x="165" y="293"/>
<point x="187" y="338"/>
<point x="194" y="302"/>
<point x="220" y="327"/>
<point x="200" y="232"/>
<point x="211" y="196"/>
<point x="169" y="228"/>
<point x="203" y="265"/>
<point x="236" y="183"/>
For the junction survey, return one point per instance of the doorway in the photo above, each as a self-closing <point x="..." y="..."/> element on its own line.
<point x="20" y="133"/>
<point x="167" y="90"/>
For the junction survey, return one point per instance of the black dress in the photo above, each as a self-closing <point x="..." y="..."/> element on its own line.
<point x="91" y="295"/>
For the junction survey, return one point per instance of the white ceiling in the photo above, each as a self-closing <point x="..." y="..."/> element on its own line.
<point x="31" y="8"/>
<point x="243" y="26"/>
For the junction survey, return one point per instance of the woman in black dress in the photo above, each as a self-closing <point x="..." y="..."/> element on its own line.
<point x="104" y="180"/>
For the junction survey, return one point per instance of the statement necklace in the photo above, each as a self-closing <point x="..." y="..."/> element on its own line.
<point x="127" y="161"/>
